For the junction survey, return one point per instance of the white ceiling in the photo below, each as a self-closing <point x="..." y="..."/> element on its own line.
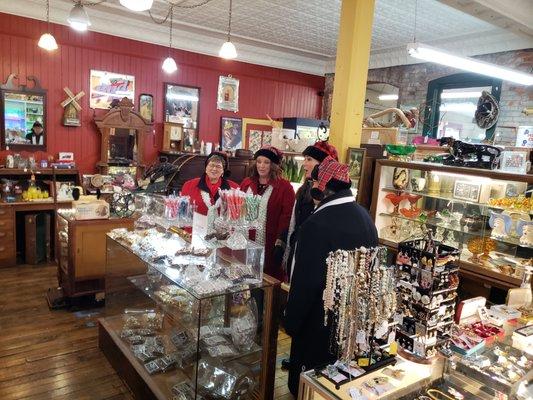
<point x="302" y="34"/>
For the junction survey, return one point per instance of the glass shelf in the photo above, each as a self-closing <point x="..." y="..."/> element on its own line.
<point x="433" y="222"/>
<point x="485" y="208"/>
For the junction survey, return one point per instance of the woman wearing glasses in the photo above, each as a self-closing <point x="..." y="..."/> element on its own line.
<point x="203" y="191"/>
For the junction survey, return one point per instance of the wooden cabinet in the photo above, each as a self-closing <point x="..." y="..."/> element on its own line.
<point x="8" y="251"/>
<point x="82" y="253"/>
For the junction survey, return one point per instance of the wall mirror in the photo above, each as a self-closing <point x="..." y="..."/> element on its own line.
<point x="23" y="115"/>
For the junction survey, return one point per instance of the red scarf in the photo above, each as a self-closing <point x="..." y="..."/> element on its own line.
<point x="213" y="187"/>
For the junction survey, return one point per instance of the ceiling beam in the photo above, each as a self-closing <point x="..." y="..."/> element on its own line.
<point x="512" y="15"/>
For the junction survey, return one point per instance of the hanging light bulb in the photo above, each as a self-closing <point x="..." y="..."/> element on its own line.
<point x="228" y="50"/>
<point x="47" y="41"/>
<point x="137" y="5"/>
<point x="169" y="65"/>
<point x="78" y="18"/>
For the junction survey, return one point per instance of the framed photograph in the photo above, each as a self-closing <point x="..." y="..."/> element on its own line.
<point x="182" y="105"/>
<point x="146" y="106"/>
<point x="465" y="190"/>
<point x="228" y="93"/>
<point x="108" y="86"/>
<point x="514" y="161"/>
<point x="230" y="133"/>
<point x="356" y="159"/>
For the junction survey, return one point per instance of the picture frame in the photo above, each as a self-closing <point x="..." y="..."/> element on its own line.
<point x="514" y="161"/>
<point x="231" y="137"/>
<point x="182" y="105"/>
<point x="466" y="190"/>
<point x="106" y="87"/>
<point x="146" y="106"/>
<point x="355" y="159"/>
<point x="228" y="93"/>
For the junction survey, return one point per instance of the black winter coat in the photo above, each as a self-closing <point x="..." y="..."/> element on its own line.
<point x="338" y="223"/>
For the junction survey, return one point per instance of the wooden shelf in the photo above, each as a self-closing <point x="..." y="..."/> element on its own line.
<point x="39" y="171"/>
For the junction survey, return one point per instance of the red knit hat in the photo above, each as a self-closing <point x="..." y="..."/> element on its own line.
<point x="320" y="150"/>
<point x="331" y="170"/>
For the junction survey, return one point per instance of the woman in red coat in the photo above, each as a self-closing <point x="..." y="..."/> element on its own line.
<point x="276" y="206"/>
<point x="203" y="191"/>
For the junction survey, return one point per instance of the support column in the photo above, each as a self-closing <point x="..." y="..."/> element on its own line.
<point x="351" y="69"/>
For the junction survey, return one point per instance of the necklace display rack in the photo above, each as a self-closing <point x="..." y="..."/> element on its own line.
<point x="359" y="304"/>
<point x="427" y="284"/>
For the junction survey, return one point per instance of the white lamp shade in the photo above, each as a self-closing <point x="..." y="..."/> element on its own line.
<point x="137" y="5"/>
<point x="228" y="51"/>
<point x="431" y="54"/>
<point x="47" y="42"/>
<point x="78" y="18"/>
<point x="169" y="65"/>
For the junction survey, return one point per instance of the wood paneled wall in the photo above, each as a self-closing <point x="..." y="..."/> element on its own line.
<point x="263" y="90"/>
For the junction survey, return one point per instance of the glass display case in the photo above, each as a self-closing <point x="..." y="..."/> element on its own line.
<point x="484" y="213"/>
<point x="498" y="372"/>
<point x="187" y="322"/>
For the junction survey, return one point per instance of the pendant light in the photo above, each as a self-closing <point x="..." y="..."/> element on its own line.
<point x="137" y="5"/>
<point x="47" y="41"/>
<point x="78" y="18"/>
<point x="228" y="50"/>
<point x="169" y="65"/>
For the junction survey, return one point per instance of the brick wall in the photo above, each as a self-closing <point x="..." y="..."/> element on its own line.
<point x="412" y="81"/>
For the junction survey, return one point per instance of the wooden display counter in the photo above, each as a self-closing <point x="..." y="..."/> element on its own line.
<point x="10" y="212"/>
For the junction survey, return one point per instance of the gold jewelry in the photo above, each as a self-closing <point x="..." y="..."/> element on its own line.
<point x="430" y="393"/>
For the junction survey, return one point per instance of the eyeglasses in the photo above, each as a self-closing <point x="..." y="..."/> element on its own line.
<point x="215" y="166"/>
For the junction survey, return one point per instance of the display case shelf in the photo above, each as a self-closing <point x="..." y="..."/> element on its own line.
<point x="503" y="267"/>
<point x="434" y="222"/>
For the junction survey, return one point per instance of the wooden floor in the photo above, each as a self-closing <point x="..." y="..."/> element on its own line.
<point x="53" y="354"/>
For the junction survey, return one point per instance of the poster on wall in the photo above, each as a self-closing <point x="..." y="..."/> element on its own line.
<point x="231" y="133"/>
<point x="524" y="136"/>
<point x="228" y="93"/>
<point x="108" y="86"/>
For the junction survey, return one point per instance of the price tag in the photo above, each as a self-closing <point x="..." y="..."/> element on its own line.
<point x="360" y="337"/>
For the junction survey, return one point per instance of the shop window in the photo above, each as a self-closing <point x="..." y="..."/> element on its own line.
<point x="451" y="103"/>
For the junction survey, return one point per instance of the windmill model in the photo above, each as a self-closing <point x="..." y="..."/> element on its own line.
<point x="71" y="115"/>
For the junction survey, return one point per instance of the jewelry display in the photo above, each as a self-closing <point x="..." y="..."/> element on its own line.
<point x="359" y="302"/>
<point x="427" y="281"/>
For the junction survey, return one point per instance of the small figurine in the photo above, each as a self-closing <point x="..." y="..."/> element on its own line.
<point x="525" y="230"/>
<point x="500" y="224"/>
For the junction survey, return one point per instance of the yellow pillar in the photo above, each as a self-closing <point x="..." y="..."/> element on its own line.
<point x="351" y="70"/>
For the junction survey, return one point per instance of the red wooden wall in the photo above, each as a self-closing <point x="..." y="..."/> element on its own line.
<point x="263" y="90"/>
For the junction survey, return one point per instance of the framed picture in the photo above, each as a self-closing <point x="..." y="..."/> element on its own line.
<point x="228" y="93"/>
<point x="356" y="159"/>
<point x="514" y="161"/>
<point x="108" y="86"/>
<point x="230" y="133"/>
<point x="146" y="106"/>
<point x="466" y="190"/>
<point x="182" y="105"/>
